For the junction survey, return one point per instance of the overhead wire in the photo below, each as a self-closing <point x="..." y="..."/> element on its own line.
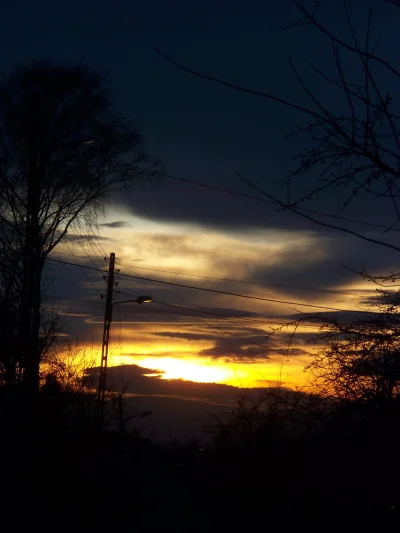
<point x="82" y="300"/>
<point x="152" y="310"/>
<point x="231" y="280"/>
<point x="209" y="325"/>
<point x="214" y="326"/>
<point x="80" y="237"/>
<point x="215" y="291"/>
<point x="237" y="295"/>
<point x="83" y="272"/>
<point x="233" y="321"/>
<point x="231" y="318"/>
<point x="210" y="313"/>
<point x="93" y="241"/>
<point x="102" y="258"/>
<point x="84" y="239"/>
<point x="249" y="282"/>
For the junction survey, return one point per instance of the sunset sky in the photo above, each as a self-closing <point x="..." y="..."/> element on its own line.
<point x="199" y="335"/>
<point x="205" y="133"/>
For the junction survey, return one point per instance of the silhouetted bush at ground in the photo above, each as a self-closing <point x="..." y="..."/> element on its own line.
<point x="343" y="474"/>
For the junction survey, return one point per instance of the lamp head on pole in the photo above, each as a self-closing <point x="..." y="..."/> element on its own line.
<point x="144" y="299"/>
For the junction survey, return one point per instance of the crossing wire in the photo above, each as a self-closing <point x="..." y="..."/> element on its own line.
<point x="231" y="280"/>
<point x="215" y="291"/>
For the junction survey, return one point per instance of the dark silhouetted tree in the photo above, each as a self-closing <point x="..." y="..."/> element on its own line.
<point x="63" y="151"/>
<point x="360" y="360"/>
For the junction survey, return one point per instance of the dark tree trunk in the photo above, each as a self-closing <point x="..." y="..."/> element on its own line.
<point x="33" y="264"/>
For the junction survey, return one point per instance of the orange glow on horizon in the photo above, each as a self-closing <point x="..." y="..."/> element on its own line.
<point x="180" y="343"/>
<point x="207" y="370"/>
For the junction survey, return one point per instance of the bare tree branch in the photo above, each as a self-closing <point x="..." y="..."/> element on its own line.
<point x="358" y="149"/>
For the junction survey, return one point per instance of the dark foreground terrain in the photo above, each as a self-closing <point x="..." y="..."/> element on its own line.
<point x="65" y="479"/>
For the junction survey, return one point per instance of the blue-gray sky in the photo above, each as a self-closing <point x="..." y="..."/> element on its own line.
<point x="199" y="130"/>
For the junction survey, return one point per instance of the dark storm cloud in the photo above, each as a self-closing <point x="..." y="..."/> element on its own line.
<point x="240" y="348"/>
<point x="181" y="203"/>
<point x="134" y="379"/>
<point x="208" y="312"/>
<point x="82" y="238"/>
<point x="232" y="313"/>
<point x="290" y="351"/>
<point x="174" y="201"/>
<point x="238" y="344"/>
<point x="199" y="130"/>
<point x="345" y="256"/>
<point x="232" y="330"/>
<point x="146" y="381"/>
<point x="117" y="224"/>
<point x="343" y="316"/>
<point x="189" y="336"/>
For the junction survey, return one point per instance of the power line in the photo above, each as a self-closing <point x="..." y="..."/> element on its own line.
<point x="152" y="310"/>
<point x="180" y="307"/>
<point x="249" y="282"/>
<point x="83" y="272"/>
<point x="74" y="264"/>
<point x="196" y="311"/>
<point x="83" y="238"/>
<point x="92" y="240"/>
<point x="215" y="291"/>
<point x="209" y="313"/>
<point x="288" y="324"/>
<point x="239" y="319"/>
<point x="85" y="257"/>
<point x="233" y="320"/>
<point x="212" y="326"/>
<point x="237" y="295"/>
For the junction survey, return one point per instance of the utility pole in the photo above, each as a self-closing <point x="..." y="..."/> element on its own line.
<point x="106" y="337"/>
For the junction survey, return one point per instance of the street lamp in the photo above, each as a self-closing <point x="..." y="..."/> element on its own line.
<point x="138" y="300"/>
<point x="104" y="349"/>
